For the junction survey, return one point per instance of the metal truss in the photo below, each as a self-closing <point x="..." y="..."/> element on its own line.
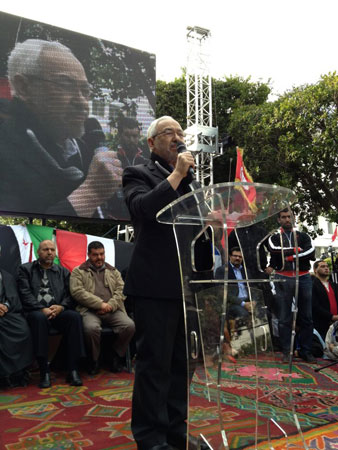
<point x="202" y="137"/>
<point x="125" y="233"/>
<point x="199" y="106"/>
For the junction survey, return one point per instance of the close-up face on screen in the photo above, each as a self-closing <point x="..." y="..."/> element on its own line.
<point x="67" y="103"/>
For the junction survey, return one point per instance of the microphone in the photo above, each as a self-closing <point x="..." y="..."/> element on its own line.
<point x="181" y="148"/>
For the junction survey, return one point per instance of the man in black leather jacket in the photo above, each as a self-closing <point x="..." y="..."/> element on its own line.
<point x="44" y="293"/>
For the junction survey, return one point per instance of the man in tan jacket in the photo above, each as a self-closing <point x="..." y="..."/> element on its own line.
<point x="97" y="287"/>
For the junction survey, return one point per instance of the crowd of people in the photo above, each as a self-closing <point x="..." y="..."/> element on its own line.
<point x="315" y="313"/>
<point x="45" y="297"/>
<point x="77" y="305"/>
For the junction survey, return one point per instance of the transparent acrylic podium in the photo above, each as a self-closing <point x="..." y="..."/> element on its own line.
<point x="240" y="393"/>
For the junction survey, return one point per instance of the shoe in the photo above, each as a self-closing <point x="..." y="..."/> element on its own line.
<point x="179" y="441"/>
<point x="45" y="381"/>
<point x="308" y="357"/>
<point x="73" y="378"/>
<point x="117" y="365"/>
<point x="94" y="368"/>
<point x="285" y="358"/>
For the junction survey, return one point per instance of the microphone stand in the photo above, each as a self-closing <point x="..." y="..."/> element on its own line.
<point x="332" y="363"/>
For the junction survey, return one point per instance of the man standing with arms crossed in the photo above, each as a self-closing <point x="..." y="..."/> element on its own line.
<point x="159" y="410"/>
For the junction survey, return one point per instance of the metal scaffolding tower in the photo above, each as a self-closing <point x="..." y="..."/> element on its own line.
<point x="202" y="137"/>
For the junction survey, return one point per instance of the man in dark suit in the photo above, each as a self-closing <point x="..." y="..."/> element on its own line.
<point x="159" y="408"/>
<point x="324" y="298"/>
<point x="239" y="305"/>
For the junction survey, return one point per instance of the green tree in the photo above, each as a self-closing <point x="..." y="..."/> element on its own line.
<point x="228" y="93"/>
<point x="171" y="100"/>
<point x="293" y="142"/>
<point x="231" y="93"/>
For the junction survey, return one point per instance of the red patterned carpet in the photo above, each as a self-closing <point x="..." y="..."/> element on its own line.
<point x="97" y="415"/>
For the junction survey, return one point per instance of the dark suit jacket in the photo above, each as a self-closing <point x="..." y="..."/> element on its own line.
<point x="154" y="270"/>
<point x="321" y="306"/>
<point x="233" y="287"/>
<point x="249" y="238"/>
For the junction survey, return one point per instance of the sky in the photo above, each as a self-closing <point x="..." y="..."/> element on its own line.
<point x="289" y="42"/>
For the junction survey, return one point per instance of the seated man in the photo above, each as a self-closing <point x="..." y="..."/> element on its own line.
<point x="16" y="352"/>
<point x="44" y="292"/>
<point x="97" y="287"/>
<point x="239" y="305"/>
<point x="331" y="342"/>
<point x="324" y="299"/>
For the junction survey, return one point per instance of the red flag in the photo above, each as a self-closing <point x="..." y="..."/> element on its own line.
<point x="335" y="234"/>
<point x="72" y="248"/>
<point x="243" y="176"/>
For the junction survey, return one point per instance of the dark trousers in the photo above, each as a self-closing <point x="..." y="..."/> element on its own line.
<point x="69" y="323"/>
<point x="285" y="292"/>
<point x="118" y="321"/>
<point x="159" y="406"/>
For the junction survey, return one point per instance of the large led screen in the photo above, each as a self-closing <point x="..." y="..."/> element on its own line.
<point x="74" y="111"/>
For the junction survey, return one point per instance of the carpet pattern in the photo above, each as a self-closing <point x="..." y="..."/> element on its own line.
<point x="97" y="415"/>
<point x="315" y="401"/>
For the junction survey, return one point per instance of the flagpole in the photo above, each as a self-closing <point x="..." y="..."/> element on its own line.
<point x="229" y="178"/>
<point x="334" y="274"/>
